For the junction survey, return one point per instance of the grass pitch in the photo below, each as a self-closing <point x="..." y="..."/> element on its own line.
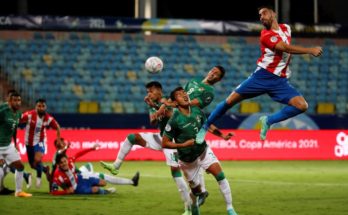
<point x="258" y="188"/>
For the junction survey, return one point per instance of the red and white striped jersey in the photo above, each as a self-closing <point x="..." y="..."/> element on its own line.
<point x="36" y="127"/>
<point x="271" y="60"/>
<point x="66" y="179"/>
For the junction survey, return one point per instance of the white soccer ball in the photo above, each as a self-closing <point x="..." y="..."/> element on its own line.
<point x="154" y="64"/>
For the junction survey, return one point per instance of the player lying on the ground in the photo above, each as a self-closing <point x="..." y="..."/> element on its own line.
<point x="180" y="132"/>
<point x="75" y="181"/>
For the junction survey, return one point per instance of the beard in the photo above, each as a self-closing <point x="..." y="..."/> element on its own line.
<point x="41" y="113"/>
<point x="267" y="24"/>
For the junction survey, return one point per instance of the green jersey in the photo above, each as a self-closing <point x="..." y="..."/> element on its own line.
<point x="161" y="122"/>
<point x="181" y="128"/>
<point x="8" y="124"/>
<point x="196" y="89"/>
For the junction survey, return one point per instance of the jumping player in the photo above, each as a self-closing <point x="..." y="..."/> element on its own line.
<point x="271" y="76"/>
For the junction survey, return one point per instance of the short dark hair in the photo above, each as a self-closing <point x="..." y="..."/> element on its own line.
<point x="154" y="84"/>
<point x="59" y="157"/>
<point x="13" y="93"/>
<point x="40" y="100"/>
<point x="172" y="94"/>
<point x="222" y="70"/>
<point x="10" y="92"/>
<point x="269" y="7"/>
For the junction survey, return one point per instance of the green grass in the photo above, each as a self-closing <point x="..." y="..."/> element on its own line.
<point x="258" y="187"/>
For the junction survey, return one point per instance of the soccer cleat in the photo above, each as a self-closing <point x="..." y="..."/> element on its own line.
<point x="202" y="197"/>
<point x="110" y="190"/>
<point x="187" y="212"/>
<point x="109" y="167"/>
<point x="22" y="194"/>
<point x="6" y="191"/>
<point x="28" y="180"/>
<point x="201" y="135"/>
<point x="135" y="179"/>
<point x="231" y="212"/>
<point x="38" y="182"/>
<point x="264" y="127"/>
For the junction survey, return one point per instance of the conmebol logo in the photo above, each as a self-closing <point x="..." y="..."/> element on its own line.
<point x="341" y="149"/>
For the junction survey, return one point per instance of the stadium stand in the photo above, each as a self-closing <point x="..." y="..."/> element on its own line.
<point x="106" y="69"/>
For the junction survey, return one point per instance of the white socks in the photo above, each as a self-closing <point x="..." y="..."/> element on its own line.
<point x="126" y="146"/>
<point x="19" y="180"/>
<point x="226" y="192"/>
<point x="117" y="180"/>
<point x="184" y="191"/>
<point x="2" y="176"/>
<point x="201" y="180"/>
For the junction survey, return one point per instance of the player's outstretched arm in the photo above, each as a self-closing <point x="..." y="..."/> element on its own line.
<point x="167" y="143"/>
<point x="83" y="152"/>
<point x="216" y="131"/>
<point x="292" y="49"/>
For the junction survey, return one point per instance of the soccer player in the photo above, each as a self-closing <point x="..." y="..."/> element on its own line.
<point x="182" y="127"/>
<point x="4" y="169"/>
<point x="35" y="137"/>
<point x="27" y="176"/>
<point x="149" y="140"/>
<point x="201" y="94"/>
<point x="9" y="119"/>
<point x="271" y="76"/>
<point x="75" y="181"/>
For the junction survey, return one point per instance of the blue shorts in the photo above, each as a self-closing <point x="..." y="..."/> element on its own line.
<point x="40" y="147"/>
<point x="262" y="81"/>
<point x="85" y="184"/>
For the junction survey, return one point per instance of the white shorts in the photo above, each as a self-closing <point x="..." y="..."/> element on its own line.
<point x="88" y="167"/>
<point x="154" y="141"/>
<point x="9" y="154"/>
<point x="4" y="169"/>
<point x="191" y="170"/>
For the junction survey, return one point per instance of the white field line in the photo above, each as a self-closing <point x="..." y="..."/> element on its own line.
<point x="209" y="178"/>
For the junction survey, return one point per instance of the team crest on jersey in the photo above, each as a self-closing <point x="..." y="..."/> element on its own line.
<point x="198" y="119"/>
<point x="200" y="89"/>
<point x="274" y="39"/>
<point x="168" y="127"/>
<point x="208" y="99"/>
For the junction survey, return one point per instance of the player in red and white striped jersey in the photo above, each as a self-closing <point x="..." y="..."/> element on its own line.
<point x="274" y="61"/>
<point x="270" y="77"/>
<point x="37" y="121"/>
<point x="78" y="181"/>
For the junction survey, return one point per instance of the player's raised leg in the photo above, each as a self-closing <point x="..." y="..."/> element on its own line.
<point x="217" y="113"/>
<point x="125" y="148"/>
<point x="296" y="105"/>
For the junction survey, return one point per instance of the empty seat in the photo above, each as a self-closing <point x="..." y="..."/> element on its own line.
<point x="325" y="108"/>
<point x="247" y="107"/>
<point x="88" y="107"/>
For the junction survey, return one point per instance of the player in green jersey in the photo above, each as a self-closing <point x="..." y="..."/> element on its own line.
<point x="183" y="127"/>
<point x="4" y="168"/>
<point x="201" y="94"/>
<point x="153" y="141"/>
<point x="9" y="119"/>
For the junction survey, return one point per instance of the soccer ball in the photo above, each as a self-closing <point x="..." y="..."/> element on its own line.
<point x="154" y="64"/>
